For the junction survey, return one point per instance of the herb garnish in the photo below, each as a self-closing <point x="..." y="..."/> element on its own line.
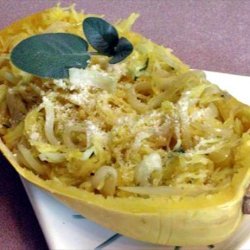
<point x="142" y="69"/>
<point x="180" y="150"/>
<point x="145" y="66"/>
<point x="101" y="35"/>
<point x="104" y="38"/>
<point x="52" y="54"/>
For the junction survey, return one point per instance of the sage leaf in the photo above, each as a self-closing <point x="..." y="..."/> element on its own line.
<point x="51" y="55"/>
<point x="123" y="49"/>
<point x="102" y="36"/>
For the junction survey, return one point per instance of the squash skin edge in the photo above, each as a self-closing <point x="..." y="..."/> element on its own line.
<point x="187" y="221"/>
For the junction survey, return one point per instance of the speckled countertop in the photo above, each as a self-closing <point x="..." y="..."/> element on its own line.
<point x="206" y="34"/>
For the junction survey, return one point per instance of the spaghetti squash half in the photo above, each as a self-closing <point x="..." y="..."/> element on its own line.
<point x="147" y="147"/>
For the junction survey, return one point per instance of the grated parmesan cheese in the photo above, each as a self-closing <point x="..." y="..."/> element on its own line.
<point x="92" y="76"/>
<point x="34" y="136"/>
<point x="92" y="130"/>
<point x="61" y="83"/>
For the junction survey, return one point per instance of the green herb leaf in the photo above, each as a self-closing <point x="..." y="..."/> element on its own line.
<point x="101" y="35"/>
<point x="180" y="150"/>
<point x="51" y="55"/>
<point x="145" y="66"/>
<point x="123" y="49"/>
<point x="141" y="70"/>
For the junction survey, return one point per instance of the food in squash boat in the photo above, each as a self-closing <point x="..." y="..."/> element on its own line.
<point x="145" y="146"/>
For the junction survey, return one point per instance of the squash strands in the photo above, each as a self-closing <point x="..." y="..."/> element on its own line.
<point x="147" y="147"/>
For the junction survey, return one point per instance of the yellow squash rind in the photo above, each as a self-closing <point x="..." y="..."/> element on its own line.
<point x="201" y="220"/>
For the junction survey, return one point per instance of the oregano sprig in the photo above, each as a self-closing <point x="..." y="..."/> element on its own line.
<point x="52" y="54"/>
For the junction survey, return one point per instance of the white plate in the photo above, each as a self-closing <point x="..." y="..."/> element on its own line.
<point x="65" y="229"/>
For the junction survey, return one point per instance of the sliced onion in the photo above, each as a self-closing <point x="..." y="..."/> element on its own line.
<point x="105" y="180"/>
<point x="87" y="153"/>
<point x="32" y="163"/>
<point x="134" y="102"/>
<point x="49" y="122"/>
<point x="167" y="191"/>
<point x="52" y="157"/>
<point x="67" y="135"/>
<point x="150" y="163"/>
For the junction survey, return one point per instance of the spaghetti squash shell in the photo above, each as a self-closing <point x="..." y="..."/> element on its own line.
<point x="200" y="220"/>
